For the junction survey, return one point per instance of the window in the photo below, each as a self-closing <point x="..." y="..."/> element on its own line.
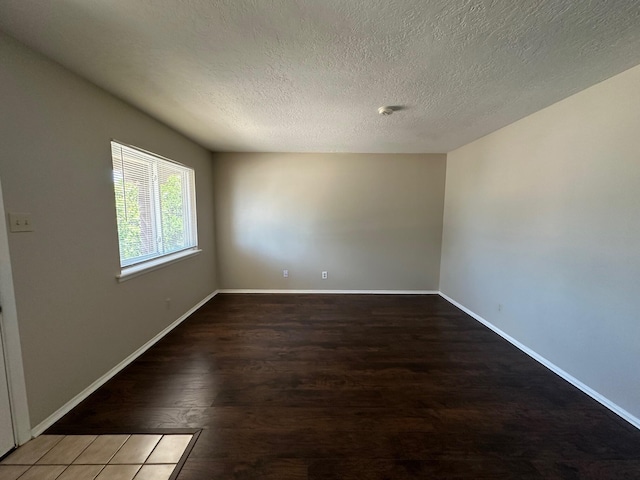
<point x="155" y="208"/>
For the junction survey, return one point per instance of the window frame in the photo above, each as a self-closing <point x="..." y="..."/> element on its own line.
<point x="135" y="266"/>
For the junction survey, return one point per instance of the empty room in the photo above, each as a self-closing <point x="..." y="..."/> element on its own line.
<point x="278" y="239"/>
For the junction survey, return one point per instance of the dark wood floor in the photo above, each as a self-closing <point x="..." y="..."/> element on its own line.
<point x="358" y="387"/>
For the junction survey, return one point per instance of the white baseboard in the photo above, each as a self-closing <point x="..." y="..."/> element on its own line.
<point x="66" y="408"/>
<point x="633" y="420"/>
<point x="341" y="292"/>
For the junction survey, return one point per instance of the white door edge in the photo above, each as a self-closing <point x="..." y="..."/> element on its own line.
<point x="11" y="339"/>
<point x="7" y="437"/>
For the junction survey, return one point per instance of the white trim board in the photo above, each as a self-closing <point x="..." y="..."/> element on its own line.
<point x="621" y="412"/>
<point x="339" y="292"/>
<point x="66" y="408"/>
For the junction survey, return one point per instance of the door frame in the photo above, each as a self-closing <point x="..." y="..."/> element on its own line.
<point x="11" y="339"/>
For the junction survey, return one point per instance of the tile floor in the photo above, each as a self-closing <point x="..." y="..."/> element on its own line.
<point x="96" y="457"/>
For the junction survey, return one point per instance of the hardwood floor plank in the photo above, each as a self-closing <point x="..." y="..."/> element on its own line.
<point x="357" y="386"/>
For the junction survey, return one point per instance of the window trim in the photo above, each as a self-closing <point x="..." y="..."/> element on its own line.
<point x="138" y="269"/>
<point x="144" y="266"/>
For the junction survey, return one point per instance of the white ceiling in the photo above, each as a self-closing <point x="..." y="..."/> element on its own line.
<point x="309" y="75"/>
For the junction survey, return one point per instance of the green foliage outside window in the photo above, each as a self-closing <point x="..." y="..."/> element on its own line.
<point x="171" y="198"/>
<point x="128" y="215"/>
<point x="130" y="231"/>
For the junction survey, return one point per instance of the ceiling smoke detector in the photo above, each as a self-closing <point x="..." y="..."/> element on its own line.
<point x="385" y="111"/>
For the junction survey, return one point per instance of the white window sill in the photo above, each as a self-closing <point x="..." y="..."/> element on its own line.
<point x="128" y="273"/>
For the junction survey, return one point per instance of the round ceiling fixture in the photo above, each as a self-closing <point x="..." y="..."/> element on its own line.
<point x="385" y="111"/>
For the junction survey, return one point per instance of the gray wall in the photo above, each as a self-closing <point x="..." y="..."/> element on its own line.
<point x="76" y="321"/>
<point x="543" y="217"/>
<point x="374" y="222"/>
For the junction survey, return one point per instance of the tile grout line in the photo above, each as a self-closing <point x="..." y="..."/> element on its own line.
<point x="152" y="450"/>
<point x="78" y="456"/>
<point x="43" y="454"/>
<point x="116" y="452"/>
<point x="65" y="465"/>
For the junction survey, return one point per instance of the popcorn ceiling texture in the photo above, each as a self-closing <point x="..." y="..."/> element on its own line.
<point x="309" y="75"/>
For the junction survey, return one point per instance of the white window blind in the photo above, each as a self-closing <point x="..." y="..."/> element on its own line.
<point x="155" y="205"/>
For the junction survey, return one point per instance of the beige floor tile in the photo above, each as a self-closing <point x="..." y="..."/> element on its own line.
<point x="102" y="450"/>
<point x="136" y="449"/>
<point x="32" y="451"/>
<point x="11" y="472"/>
<point x="67" y="450"/>
<point x="81" y="472"/>
<point x="118" y="472"/>
<point x="43" y="472"/>
<point x="155" y="472"/>
<point x="169" y="449"/>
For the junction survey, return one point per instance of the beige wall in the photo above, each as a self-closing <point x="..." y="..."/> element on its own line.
<point x="543" y="217"/>
<point x="76" y="322"/>
<point x="374" y="222"/>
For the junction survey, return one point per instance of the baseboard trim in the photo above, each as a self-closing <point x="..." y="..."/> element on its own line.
<point x="621" y="412"/>
<point x="66" y="408"/>
<point x="339" y="292"/>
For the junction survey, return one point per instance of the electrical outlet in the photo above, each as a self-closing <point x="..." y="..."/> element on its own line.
<point x="168" y="302"/>
<point x="499" y="307"/>
<point x="285" y="273"/>
<point x="325" y="275"/>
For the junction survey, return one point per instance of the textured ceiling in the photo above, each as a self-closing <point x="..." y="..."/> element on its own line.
<point x="309" y="75"/>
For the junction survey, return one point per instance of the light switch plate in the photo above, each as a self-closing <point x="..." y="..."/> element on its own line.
<point x="20" y="222"/>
